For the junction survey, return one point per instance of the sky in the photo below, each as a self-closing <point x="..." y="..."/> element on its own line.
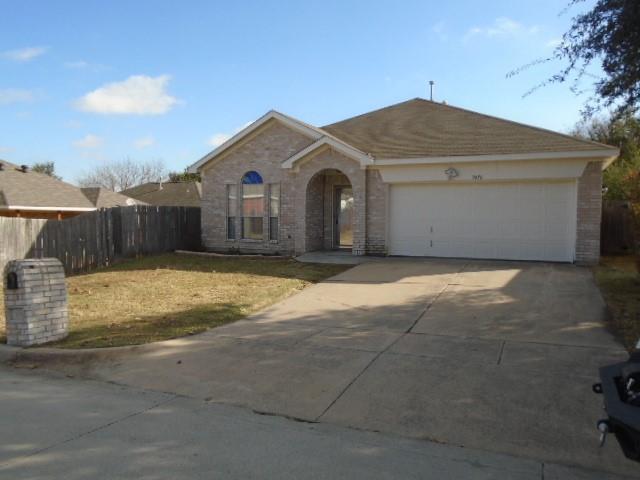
<point x="88" y="82"/>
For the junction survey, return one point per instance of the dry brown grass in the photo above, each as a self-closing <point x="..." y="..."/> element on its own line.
<point x="619" y="282"/>
<point x="168" y="296"/>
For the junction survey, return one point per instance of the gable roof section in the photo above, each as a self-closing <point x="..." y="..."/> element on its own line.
<point x="167" y="194"/>
<point x="420" y="128"/>
<point x="321" y="137"/>
<point x="37" y="191"/>
<point x="104" y="198"/>
<point x="297" y="125"/>
<point x="139" y="190"/>
<point x="328" y="141"/>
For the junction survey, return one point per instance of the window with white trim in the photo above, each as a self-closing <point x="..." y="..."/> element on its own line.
<point x="232" y="210"/>
<point x="252" y="206"/>
<point x="274" y="211"/>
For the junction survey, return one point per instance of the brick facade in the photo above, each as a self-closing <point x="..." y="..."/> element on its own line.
<point x="306" y="196"/>
<point x="377" y="208"/>
<point x="326" y="164"/>
<point x="589" y="214"/>
<point x="263" y="153"/>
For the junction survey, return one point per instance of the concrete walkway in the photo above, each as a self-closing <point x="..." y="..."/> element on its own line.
<point x="57" y="428"/>
<point x="495" y="356"/>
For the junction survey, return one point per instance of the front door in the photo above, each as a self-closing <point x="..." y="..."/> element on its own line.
<point x="343" y="217"/>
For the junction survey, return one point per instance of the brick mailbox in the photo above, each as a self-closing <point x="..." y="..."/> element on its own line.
<point x="35" y="299"/>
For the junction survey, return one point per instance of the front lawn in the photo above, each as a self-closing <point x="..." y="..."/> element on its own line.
<point x="168" y="296"/>
<point x="619" y="282"/>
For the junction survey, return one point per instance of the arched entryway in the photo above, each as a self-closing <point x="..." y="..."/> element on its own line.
<point x="329" y="212"/>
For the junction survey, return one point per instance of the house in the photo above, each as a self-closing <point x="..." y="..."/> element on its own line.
<point x="417" y="178"/>
<point x="28" y="194"/>
<point x="102" y="197"/>
<point x="167" y="194"/>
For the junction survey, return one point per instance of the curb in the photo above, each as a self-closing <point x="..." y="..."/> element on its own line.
<point x="11" y="354"/>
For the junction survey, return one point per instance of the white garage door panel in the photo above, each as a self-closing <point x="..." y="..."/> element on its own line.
<point x="518" y="221"/>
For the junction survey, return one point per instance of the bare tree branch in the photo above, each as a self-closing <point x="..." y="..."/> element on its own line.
<point x="118" y="176"/>
<point x="609" y="33"/>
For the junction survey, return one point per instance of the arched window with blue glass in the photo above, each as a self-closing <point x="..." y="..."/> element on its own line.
<point x="252" y="206"/>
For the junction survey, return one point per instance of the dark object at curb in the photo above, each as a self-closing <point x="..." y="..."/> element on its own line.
<point x="620" y="387"/>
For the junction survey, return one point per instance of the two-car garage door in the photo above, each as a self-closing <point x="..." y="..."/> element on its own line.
<point x="517" y="221"/>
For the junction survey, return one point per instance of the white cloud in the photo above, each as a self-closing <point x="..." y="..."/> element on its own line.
<point x="72" y="124"/>
<point x="82" y="65"/>
<point x="89" y="141"/>
<point x="4" y="150"/>
<point x="218" y="139"/>
<point x="137" y="95"/>
<point x="502" y="27"/>
<point x="15" y="95"/>
<point x="144" y="142"/>
<point x="553" y="43"/>
<point x="440" y="30"/>
<point x="24" y="54"/>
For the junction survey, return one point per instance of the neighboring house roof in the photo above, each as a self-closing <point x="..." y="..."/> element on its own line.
<point x="422" y="128"/>
<point x="36" y="191"/>
<point x="104" y="198"/>
<point x="170" y="194"/>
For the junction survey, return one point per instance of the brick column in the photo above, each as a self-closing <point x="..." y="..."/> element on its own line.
<point x="35" y="298"/>
<point x="589" y="214"/>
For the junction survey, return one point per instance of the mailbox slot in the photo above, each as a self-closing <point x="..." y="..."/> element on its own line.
<point x="12" y="281"/>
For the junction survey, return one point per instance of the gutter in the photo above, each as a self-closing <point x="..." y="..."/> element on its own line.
<point x="47" y="209"/>
<point x="606" y="155"/>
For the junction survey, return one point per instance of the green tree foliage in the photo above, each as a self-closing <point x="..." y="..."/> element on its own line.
<point x="623" y="133"/>
<point x="48" y="168"/>
<point x="184" y="176"/>
<point x="609" y="35"/>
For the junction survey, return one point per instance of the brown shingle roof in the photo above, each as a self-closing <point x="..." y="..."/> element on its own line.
<point x="421" y="128"/>
<point x="105" y="198"/>
<point x="170" y="194"/>
<point x="31" y="189"/>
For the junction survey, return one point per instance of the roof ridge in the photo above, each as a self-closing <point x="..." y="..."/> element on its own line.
<point x="431" y="103"/>
<point x="164" y="182"/>
<point x="372" y="112"/>
<point x="513" y="122"/>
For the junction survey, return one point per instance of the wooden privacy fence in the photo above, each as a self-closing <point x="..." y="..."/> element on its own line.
<point x="99" y="238"/>
<point x="616" y="231"/>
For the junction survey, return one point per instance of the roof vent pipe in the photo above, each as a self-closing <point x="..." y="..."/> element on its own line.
<point x="431" y="84"/>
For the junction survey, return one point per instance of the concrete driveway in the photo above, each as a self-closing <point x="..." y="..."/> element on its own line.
<point x="497" y="356"/>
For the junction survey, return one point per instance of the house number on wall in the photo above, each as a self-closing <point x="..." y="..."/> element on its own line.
<point x="477" y="177"/>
